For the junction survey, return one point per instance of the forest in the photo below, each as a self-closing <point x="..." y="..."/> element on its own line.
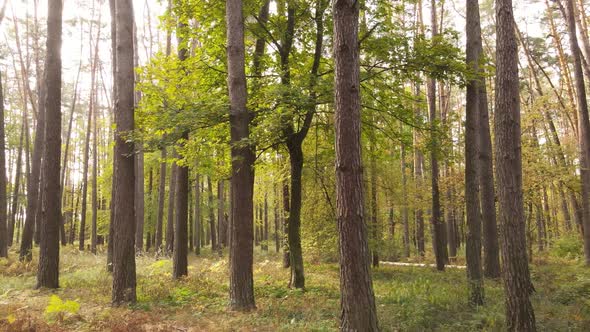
<point x="294" y="165"/>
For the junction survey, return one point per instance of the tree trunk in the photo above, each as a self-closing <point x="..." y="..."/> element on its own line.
<point x="583" y="125"/>
<point x="374" y="212"/>
<point x="293" y="231"/>
<point x="33" y="181"/>
<point x="48" y="271"/>
<point x="243" y="157"/>
<point x="139" y="199"/>
<point x="161" y="201"/>
<point x="286" y="212"/>
<point x="358" y="311"/>
<point x="180" y="254"/>
<point x="197" y="213"/>
<point x="124" y="281"/>
<point x="437" y="223"/>
<point x="472" y="128"/>
<point x="170" y="220"/>
<point x="212" y="228"/>
<point x="3" y="199"/>
<point x="17" y="176"/>
<point x="265" y="233"/>
<point x="405" y="219"/>
<point x="516" y="275"/>
<point x="221" y="215"/>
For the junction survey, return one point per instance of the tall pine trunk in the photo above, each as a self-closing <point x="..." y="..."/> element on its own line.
<point x="48" y="271"/>
<point x="241" y="292"/>
<point x="358" y="311"/>
<point x="124" y="280"/>
<point x="516" y="275"/>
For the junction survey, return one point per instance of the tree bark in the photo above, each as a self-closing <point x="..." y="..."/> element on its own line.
<point x="124" y="280"/>
<point x="212" y="229"/>
<point x="516" y="275"/>
<point x="358" y="311"/>
<point x="472" y="128"/>
<point x="48" y="271"/>
<point x="243" y="157"/>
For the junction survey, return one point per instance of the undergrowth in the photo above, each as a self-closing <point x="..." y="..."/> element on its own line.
<point x="408" y="298"/>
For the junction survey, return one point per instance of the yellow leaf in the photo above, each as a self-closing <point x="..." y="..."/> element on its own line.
<point x="11" y="318"/>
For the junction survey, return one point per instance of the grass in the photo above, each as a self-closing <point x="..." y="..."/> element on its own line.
<point x="408" y="298"/>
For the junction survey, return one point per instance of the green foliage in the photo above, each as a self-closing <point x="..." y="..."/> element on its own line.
<point x="570" y="247"/>
<point x="57" y="309"/>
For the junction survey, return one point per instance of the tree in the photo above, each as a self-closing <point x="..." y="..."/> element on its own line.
<point x="124" y="281"/>
<point x="161" y="201"/>
<point x="436" y="217"/>
<point x="171" y="203"/>
<point x="473" y="249"/>
<point x="48" y="272"/>
<point x="358" y="311"/>
<point x="3" y="213"/>
<point x="242" y="153"/>
<point x="180" y="263"/>
<point x="517" y="282"/>
<point x="583" y="125"/>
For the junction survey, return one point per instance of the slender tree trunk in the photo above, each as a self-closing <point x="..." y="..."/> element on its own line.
<point x="243" y="157"/>
<point x="212" y="228"/>
<point x="437" y="223"/>
<point x="170" y="220"/>
<point x="405" y="219"/>
<point x="180" y="255"/>
<point x="358" y="311"/>
<point x="33" y="181"/>
<point x="197" y="213"/>
<point x="221" y="215"/>
<point x="124" y="280"/>
<point x="286" y="212"/>
<point x="276" y="219"/>
<point x="161" y="201"/>
<point x="17" y="177"/>
<point x="472" y="128"/>
<point x="3" y="199"/>
<point x="374" y="212"/>
<point x="48" y="271"/>
<point x="265" y="233"/>
<point x="516" y="275"/>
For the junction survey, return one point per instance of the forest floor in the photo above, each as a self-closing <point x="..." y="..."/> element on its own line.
<point x="408" y="298"/>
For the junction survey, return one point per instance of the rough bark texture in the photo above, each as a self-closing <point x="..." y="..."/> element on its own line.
<point x="517" y="282"/>
<point x="241" y="292"/>
<point x="48" y="271"/>
<point x="473" y="248"/>
<point x="124" y="280"/>
<point x="358" y="312"/>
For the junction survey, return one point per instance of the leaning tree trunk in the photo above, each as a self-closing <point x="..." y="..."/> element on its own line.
<point x="241" y="292"/>
<point x="517" y="282"/>
<point x="124" y="281"/>
<point x="48" y="271"/>
<point x="358" y="312"/>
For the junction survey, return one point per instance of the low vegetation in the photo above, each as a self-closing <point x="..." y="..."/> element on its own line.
<point x="408" y="298"/>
